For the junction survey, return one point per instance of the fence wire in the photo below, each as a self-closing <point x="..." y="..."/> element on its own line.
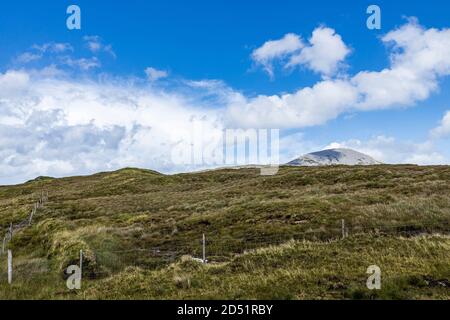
<point x="14" y="227"/>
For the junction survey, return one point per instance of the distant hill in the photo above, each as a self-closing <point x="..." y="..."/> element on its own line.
<point x="41" y="178"/>
<point x="334" y="157"/>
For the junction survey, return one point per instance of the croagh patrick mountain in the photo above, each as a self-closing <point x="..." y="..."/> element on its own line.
<point x="334" y="157"/>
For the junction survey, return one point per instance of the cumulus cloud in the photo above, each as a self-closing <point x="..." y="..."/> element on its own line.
<point x="325" y="52"/>
<point x="419" y="58"/>
<point x="63" y="125"/>
<point x="13" y="84"/>
<point x="155" y="74"/>
<point x="443" y="130"/>
<point x="307" y="107"/>
<point x="392" y="151"/>
<point x="276" y="49"/>
<point x="54" y="122"/>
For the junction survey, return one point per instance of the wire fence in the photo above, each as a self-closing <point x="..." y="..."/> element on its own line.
<point x="210" y="247"/>
<point x="214" y="248"/>
<point x="14" y="227"/>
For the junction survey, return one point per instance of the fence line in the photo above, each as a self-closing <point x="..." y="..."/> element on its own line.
<point x="271" y="239"/>
<point x="229" y="246"/>
<point x="210" y="249"/>
<point x="43" y="198"/>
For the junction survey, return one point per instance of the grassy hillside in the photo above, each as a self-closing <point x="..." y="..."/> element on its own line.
<point x="135" y="226"/>
<point x="411" y="269"/>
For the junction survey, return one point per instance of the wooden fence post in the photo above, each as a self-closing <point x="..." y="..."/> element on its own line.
<point x="81" y="266"/>
<point x="31" y="217"/>
<point x="81" y="259"/>
<point x="10" y="268"/>
<point x="204" y="248"/>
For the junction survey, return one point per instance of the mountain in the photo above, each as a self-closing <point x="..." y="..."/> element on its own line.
<point x="334" y="157"/>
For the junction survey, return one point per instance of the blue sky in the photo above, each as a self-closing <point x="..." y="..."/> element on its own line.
<point x="205" y="62"/>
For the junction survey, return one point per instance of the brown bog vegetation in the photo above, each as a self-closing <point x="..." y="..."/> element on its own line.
<point x="267" y="237"/>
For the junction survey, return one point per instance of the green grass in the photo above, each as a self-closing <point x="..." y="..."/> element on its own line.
<point x="135" y="225"/>
<point x="411" y="269"/>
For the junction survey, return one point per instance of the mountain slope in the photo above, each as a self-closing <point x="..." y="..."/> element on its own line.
<point x="141" y="219"/>
<point x="334" y="157"/>
<point x="285" y="272"/>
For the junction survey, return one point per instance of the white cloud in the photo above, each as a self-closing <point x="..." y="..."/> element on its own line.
<point x="55" y="123"/>
<point x="37" y="51"/>
<point x="420" y="57"/>
<point x="443" y="130"/>
<point x="434" y="158"/>
<point x="392" y="151"/>
<point x="83" y="63"/>
<point x="95" y="45"/>
<point x="276" y="49"/>
<point x="306" y="107"/>
<point x="155" y="74"/>
<point x="389" y="87"/>
<point x="28" y="57"/>
<point x="324" y="54"/>
<point x="62" y="125"/>
<point x="61" y="55"/>
<point x="206" y="84"/>
<point x="294" y="145"/>
<point x="12" y="84"/>
<point x="53" y="47"/>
